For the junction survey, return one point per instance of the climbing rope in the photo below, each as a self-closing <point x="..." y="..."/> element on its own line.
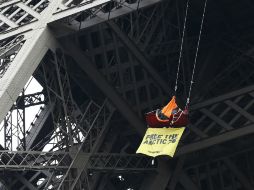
<point x="181" y="46"/>
<point x="138" y="6"/>
<point x="196" y="55"/>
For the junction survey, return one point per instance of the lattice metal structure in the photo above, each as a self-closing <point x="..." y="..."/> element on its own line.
<point x="102" y="64"/>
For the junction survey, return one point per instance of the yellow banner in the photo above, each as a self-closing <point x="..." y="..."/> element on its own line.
<point x="160" y="141"/>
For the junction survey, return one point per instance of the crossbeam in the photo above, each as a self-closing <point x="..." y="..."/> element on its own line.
<point x="99" y="162"/>
<point x="224" y="125"/>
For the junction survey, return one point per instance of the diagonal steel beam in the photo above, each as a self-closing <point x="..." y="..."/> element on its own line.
<point x="180" y="176"/>
<point x="177" y="173"/>
<point x="5" y="3"/>
<point x="140" y="57"/>
<point x="82" y="162"/>
<point x="216" y="119"/>
<point x="159" y="180"/>
<point x="38" y="125"/>
<point x="8" y="21"/>
<point x="22" y="68"/>
<point x="240" y="176"/>
<point x="226" y="96"/>
<point x="88" y="67"/>
<point x="26" y="61"/>
<point x="229" y="102"/>
<point x="230" y="135"/>
<point x="186" y="182"/>
<point x="29" y="10"/>
<point x="249" y="116"/>
<point x="25" y="182"/>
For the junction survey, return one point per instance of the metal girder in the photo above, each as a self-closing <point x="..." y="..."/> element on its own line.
<point x="25" y="182"/>
<point x="236" y="172"/>
<point x="14" y="128"/>
<point x="140" y="57"/>
<point x="42" y="19"/>
<point x="244" y="130"/>
<point x="230" y="135"/>
<point x="121" y="69"/>
<point x="221" y="98"/>
<point x="7" y="21"/>
<point x="38" y="124"/>
<point x="166" y="174"/>
<point x="91" y="126"/>
<point x="64" y="28"/>
<point x="94" y="134"/>
<point x="28" y="100"/>
<point x="87" y="66"/>
<point x="93" y="121"/>
<point x="25" y="21"/>
<point x="207" y="110"/>
<point x="103" y="183"/>
<point x="22" y="68"/>
<point x="219" y="152"/>
<point x="240" y="176"/>
<point x="33" y="178"/>
<point x="69" y="11"/>
<point x="106" y="147"/>
<point x="5" y="3"/>
<point x="158" y="180"/>
<point x="116" y="162"/>
<point x="148" y="32"/>
<point x="224" y="172"/>
<point x="186" y="182"/>
<point x="213" y="120"/>
<point x="60" y="161"/>
<point x="29" y="10"/>
<point x="14" y="122"/>
<point x="209" y="119"/>
<point x="177" y="174"/>
<point x="17" y="23"/>
<point x="240" y="52"/>
<point x="34" y="160"/>
<point x="207" y="71"/>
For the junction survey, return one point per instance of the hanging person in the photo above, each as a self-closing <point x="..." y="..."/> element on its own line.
<point x="170" y="115"/>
